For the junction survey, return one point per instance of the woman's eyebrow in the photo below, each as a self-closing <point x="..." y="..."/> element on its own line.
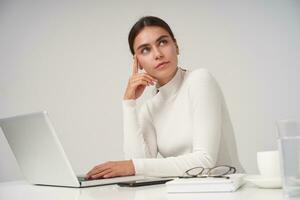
<point x="161" y="37"/>
<point x="157" y="40"/>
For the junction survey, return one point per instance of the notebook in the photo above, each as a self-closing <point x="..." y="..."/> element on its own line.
<point x="189" y="185"/>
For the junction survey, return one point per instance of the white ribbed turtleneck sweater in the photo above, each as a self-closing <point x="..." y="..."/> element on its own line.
<point x="184" y="122"/>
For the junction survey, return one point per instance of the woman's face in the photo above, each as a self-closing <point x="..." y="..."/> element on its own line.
<point x="156" y="52"/>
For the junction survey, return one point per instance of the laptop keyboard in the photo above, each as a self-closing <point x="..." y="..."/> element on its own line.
<point x="81" y="179"/>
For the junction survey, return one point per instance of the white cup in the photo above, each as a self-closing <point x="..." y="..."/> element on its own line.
<point x="268" y="164"/>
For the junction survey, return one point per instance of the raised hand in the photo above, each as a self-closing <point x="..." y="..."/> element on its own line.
<point x="137" y="82"/>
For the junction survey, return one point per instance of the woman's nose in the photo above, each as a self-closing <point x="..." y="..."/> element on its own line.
<point x="157" y="53"/>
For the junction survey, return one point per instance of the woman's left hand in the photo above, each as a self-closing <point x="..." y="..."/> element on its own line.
<point x="112" y="169"/>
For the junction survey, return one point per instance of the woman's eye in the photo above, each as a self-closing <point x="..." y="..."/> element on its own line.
<point x="145" y="50"/>
<point x="163" y="42"/>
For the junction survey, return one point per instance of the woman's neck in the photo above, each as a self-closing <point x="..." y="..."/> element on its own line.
<point x="167" y="79"/>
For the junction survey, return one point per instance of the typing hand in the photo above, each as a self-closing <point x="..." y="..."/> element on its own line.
<point x="112" y="169"/>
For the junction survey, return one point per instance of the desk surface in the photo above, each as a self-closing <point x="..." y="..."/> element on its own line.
<point x="21" y="190"/>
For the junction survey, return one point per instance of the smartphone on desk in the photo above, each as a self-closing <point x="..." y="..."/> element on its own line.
<point x="144" y="182"/>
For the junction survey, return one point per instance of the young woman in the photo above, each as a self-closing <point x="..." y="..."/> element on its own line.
<point x="186" y="121"/>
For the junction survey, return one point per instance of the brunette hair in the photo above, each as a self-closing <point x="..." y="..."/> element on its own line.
<point x="144" y="22"/>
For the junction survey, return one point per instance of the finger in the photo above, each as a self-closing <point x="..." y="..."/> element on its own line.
<point x="145" y="75"/>
<point x="142" y="78"/>
<point x="135" y="65"/>
<point x="149" y="76"/>
<point x="101" y="174"/>
<point x="98" y="169"/>
<point x="95" y="172"/>
<point x="92" y="171"/>
<point x="140" y="82"/>
<point x="111" y="174"/>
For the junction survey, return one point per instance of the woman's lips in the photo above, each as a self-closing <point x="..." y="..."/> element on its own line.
<point x="160" y="65"/>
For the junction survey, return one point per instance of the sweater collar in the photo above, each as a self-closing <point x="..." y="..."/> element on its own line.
<point x="171" y="88"/>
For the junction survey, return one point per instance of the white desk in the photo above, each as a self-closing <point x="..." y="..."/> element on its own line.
<point x="24" y="191"/>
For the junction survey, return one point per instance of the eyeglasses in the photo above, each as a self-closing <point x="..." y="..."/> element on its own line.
<point x="216" y="172"/>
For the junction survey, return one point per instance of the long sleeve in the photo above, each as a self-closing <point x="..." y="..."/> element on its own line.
<point x="206" y="120"/>
<point x="139" y="133"/>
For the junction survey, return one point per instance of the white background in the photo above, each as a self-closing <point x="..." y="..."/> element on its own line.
<point x="72" y="59"/>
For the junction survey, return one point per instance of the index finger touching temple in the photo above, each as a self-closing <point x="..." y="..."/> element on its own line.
<point x="135" y="65"/>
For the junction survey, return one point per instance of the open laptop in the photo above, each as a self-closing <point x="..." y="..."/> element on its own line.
<point x="40" y="155"/>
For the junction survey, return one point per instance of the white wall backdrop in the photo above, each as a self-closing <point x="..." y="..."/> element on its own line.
<point x="72" y="59"/>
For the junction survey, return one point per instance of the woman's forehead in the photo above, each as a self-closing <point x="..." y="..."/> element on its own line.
<point x="149" y="35"/>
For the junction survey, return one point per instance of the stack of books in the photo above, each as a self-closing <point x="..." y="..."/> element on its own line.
<point x="194" y="185"/>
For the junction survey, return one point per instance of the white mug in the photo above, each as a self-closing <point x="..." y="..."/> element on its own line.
<point x="268" y="164"/>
